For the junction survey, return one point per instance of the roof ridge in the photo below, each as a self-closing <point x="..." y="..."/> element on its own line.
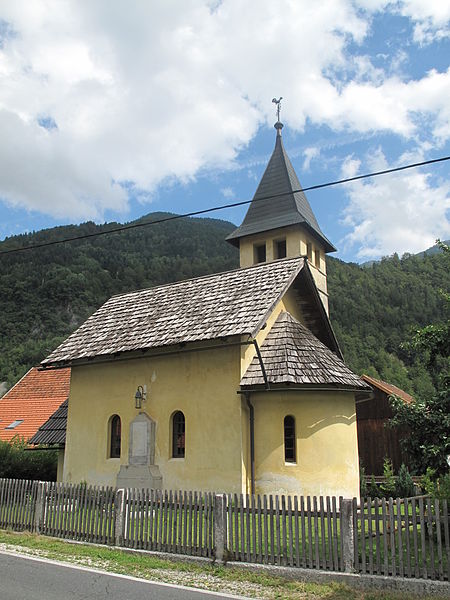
<point x="207" y="276"/>
<point x="286" y="162"/>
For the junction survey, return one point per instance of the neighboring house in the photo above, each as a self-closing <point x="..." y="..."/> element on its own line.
<point x="375" y="439"/>
<point x="230" y="382"/>
<point x="31" y="401"/>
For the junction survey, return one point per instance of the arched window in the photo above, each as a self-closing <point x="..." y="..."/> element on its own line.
<point x="115" y="436"/>
<point x="289" y="439"/>
<point x="178" y="435"/>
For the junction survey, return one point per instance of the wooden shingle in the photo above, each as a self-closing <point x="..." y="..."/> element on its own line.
<point x="225" y="304"/>
<point x="291" y="354"/>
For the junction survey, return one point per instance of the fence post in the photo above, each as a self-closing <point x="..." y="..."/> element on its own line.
<point x="348" y="544"/>
<point x="39" y="506"/>
<point x="119" y="517"/>
<point x="220" y="528"/>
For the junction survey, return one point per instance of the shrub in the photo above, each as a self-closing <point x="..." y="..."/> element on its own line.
<point x="436" y="487"/>
<point x="388" y="486"/>
<point x="17" y="462"/>
<point x="405" y="484"/>
<point x="372" y="488"/>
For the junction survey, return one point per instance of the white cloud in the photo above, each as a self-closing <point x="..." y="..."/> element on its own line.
<point x="227" y="192"/>
<point x="431" y="18"/>
<point x="402" y="212"/>
<point x="310" y="153"/>
<point x="145" y="92"/>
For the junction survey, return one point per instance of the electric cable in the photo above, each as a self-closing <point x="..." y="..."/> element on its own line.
<point x="225" y="206"/>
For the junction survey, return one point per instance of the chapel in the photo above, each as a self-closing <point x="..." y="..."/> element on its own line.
<point x="232" y="382"/>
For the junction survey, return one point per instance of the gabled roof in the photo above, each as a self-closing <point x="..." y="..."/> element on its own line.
<point x="388" y="388"/>
<point x="217" y="306"/>
<point x="32" y="400"/>
<point x="278" y="203"/>
<point x="53" y="431"/>
<point x="236" y="302"/>
<point x="291" y="354"/>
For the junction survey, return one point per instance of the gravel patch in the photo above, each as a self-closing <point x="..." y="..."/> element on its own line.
<point x="204" y="581"/>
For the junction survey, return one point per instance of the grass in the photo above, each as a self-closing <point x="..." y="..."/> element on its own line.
<point x="256" y="584"/>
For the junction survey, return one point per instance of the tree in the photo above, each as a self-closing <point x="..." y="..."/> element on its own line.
<point x="428" y="418"/>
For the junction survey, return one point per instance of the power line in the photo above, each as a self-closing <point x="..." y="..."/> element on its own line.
<point x="224" y="206"/>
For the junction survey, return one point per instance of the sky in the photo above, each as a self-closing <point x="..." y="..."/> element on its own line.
<point x="110" y="110"/>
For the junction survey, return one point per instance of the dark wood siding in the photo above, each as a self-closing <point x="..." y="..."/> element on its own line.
<point x="375" y="439"/>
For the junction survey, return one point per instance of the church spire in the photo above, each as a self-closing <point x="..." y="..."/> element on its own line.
<point x="279" y="200"/>
<point x="280" y="222"/>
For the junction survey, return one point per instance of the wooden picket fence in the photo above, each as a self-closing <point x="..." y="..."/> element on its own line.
<point x="78" y="512"/>
<point x="168" y="521"/>
<point x="288" y="531"/>
<point x="403" y="537"/>
<point x="17" y="503"/>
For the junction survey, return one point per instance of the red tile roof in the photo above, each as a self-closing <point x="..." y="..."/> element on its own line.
<point x="33" y="399"/>
<point x="388" y="388"/>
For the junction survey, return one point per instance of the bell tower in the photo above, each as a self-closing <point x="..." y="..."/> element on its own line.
<point x="280" y="222"/>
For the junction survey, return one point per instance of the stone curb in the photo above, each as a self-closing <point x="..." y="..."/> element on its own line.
<point x="418" y="587"/>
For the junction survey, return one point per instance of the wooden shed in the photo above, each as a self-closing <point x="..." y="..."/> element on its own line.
<point x="375" y="439"/>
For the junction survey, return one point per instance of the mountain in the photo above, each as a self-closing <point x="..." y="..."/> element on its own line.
<point x="429" y="251"/>
<point x="433" y="250"/>
<point x="47" y="292"/>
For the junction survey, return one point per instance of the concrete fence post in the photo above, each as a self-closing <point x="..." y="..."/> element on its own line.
<point x="39" y="507"/>
<point x="119" y="517"/>
<point x="220" y="528"/>
<point x="347" y="533"/>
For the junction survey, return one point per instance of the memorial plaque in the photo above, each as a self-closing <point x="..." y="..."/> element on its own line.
<point x="141" y="471"/>
<point x="139" y="439"/>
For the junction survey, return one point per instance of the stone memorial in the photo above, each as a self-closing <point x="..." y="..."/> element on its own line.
<point x="141" y="471"/>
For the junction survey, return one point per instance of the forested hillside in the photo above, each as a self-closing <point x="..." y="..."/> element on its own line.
<point x="375" y="309"/>
<point x="46" y="293"/>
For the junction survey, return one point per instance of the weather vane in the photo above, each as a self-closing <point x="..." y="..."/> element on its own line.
<point x="278" y="103"/>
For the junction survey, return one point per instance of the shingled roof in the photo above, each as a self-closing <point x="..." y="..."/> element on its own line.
<point x="53" y="431"/>
<point x="236" y="302"/>
<point x="388" y="388"/>
<point x="291" y="354"/>
<point x="31" y="401"/>
<point x="277" y="201"/>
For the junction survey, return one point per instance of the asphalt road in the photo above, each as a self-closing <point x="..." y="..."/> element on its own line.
<point x="29" y="578"/>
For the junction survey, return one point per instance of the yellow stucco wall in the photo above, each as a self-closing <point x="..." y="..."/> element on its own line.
<point x="201" y="384"/>
<point x="298" y="243"/>
<point x="60" y="467"/>
<point x="326" y="445"/>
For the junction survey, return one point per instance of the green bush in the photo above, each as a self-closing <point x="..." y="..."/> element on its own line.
<point x="388" y="487"/>
<point x="436" y="487"/>
<point x="18" y="462"/>
<point x="373" y="489"/>
<point x="405" y="483"/>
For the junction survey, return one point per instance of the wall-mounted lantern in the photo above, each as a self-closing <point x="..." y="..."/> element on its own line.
<point x="140" y="396"/>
